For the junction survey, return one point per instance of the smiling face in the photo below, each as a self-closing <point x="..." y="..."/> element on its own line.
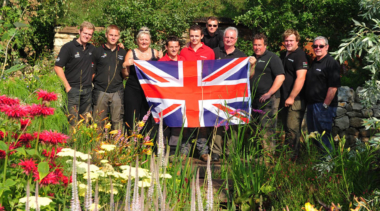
<point x="291" y="43"/>
<point x="195" y="37"/>
<point x="320" y="48"/>
<point x="113" y="36"/>
<point x="173" y="48"/>
<point x="212" y="26"/>
<point x="230" y="38"/>
<point x="85" y="35"/>
<point x="259" y="47"/>
<point x="143" y="41"/>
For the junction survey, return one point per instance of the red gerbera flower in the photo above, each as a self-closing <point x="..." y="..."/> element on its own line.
<point x="2" y="154"/>
<point x="15" y="111"/>
<point x="51" y="178"/>
<point x="46" y="96"/>
<point x="2" y="135"/>
<point x="37" y="110"/>
<point x="25" y="138"/>
<point x="51" y="137"/>
<point x="24" y="123"/>
<point x="53" y="152"/>
<point x="29" y="166"/>
<point x="9" y="101"/>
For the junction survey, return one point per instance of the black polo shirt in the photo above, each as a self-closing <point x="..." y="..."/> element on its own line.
<point x="77" y="62"/>
<point x="220" y="53"/>
<point x="322" y="75"/>
<point x="296" y="60"/>
<point x="268" y="67"/>
<point x="108" y="72"/>
<point x="215" y="41"/>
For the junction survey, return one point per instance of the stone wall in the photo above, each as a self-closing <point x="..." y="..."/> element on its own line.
<point x="350" y="115"/>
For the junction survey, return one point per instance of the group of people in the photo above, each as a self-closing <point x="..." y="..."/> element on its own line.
<point x="285" y="85"/>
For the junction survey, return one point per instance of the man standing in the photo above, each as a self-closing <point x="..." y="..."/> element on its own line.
<point x="198" y="51"/>
<point x="266" y="80"/>
<point x="322" y="82"/>
<point x="76" y="57"/>
<point x="172" y="47"/>
<point x="292" y="99"/>
<point x="108" y="78"/>
<point x="229" y="51"/>
<point x="212" y="35"/>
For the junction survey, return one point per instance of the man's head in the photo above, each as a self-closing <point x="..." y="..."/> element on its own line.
<point x="85" y="32"/>
<point x="112" y="34"/>
<point x="212" y="25"/>
<point x="196" y="35"/>
<point x="143" y="37"/>
<point x="260" y="42"/>
<point x="320" y="47"/>
<point x="172" y="46"/>
<point x="291" y="38"/>
<point x="230" y="36"/>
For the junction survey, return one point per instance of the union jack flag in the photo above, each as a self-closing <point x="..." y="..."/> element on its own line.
<point x="197" y="93"/>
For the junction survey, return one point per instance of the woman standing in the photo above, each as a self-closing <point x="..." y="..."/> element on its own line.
<point x="135" y="104"/>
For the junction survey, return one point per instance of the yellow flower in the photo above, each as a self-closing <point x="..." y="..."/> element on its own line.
<point x="108" y="126"/>
<point x="114" y="132"/>
<point x="148" y="143"/>
<point x="140" y="136"/>
<point x="92" y="207"/>
<point x="147" y="151"/>
<point x="141" y="124"/>
<point x="309" y="207"/>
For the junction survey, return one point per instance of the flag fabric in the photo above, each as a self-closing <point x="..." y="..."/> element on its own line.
<point x="197" y="93"/>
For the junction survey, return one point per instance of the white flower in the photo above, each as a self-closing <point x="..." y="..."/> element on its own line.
<point x="108" y="147"/>
<point x="82" y="167"/>
<point x="104" y="161"/>
<point x="70" y="152"/>
<point x="144" y="183"/>
<point x="142" y="172"/>
<point x="92" y="207"/>
<point x="168" y="176"/>
<point x="101" y="151"/>
<point x="42" y="201"/>
<point x="107" y="190"/>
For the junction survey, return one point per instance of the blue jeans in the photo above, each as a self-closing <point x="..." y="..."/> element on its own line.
<point x="320" y="119"/>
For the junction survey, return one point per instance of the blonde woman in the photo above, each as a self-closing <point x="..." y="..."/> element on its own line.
<point x="135" y="104"/>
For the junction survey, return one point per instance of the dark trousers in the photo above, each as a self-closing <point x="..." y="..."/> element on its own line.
<point x="78" y="102"/>
<point x="291" y="118"/>
<point x="108" y="103"/>
<point x="267" y="120"/>
<point x="320" y="119"/>
<point x="187" y="134"/>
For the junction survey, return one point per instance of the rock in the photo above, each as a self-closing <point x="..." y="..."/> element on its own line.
<point x="345" y="94"/>
<point x="356" y="122"/>
<point x="352" y="131"/>
<point x="357" y="106"/>
<point x="342" y="122"/>
<point x="349" y="107"/>
<point x="354" y="114"/>
<point x="342" y="104"/>
<point x="357" y="98"/>
<point x="350" y="141"/>
<point x="376" y="113"/>
<point x="335" y="130"/>
<point x="367" y="133"/>
<point x="340" y="111"/>
<point x="367" y="113"/>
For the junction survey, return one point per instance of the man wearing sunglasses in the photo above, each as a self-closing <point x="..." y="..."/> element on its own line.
<point x="322" y="82"/>
<point x="292" y="102"/>
<point x="213" y="37"/>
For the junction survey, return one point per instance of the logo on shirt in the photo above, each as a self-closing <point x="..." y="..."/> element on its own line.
<point x="304" y="64"/>
<point x="77" y="55"/>
<point x="92" y="64"/>
<point x="57" y="60"/>
<point x="260" y="61"/>
<point x="90" y="53"/>
<point x="120" y="57"/>
<point x="318" y="70"/>
<point x="204" y="57"/>
<point x="291" y="60"/>
<point x="104" y="55"/>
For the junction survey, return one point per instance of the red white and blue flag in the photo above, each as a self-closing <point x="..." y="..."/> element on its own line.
<point x="197" y="93"/>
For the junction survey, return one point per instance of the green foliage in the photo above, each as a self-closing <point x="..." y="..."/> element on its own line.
<point x="330" y="18"/>
<point x="364" y="42"/>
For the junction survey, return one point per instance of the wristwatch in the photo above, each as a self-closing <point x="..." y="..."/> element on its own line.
<point x="325" y="105"/>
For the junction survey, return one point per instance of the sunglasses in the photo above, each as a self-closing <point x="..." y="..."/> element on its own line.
<point x="316" y="46"/>
<point x="210" y="25"/>
<point x="144" y="30"/>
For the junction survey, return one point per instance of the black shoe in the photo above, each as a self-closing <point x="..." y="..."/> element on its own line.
<point x="215" y="157"/>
